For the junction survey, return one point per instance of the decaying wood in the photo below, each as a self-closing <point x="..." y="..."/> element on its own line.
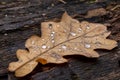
<point x="105" y="68"/>
<point x="31" y="13"/>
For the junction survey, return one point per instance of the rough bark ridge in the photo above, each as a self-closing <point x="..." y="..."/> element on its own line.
<point x="17" y="17"/>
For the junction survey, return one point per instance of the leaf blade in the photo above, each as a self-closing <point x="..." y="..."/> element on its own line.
<point x="68" y="37"/>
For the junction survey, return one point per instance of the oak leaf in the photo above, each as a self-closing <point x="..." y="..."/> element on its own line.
<point x="67" y="37"/>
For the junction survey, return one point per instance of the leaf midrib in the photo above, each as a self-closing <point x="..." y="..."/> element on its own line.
<point x="53" y="48"/>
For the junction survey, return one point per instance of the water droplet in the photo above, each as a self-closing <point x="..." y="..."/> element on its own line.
<point x="55" y="55"/>
<point x="5" y="34"/>
<point x="77" y="21"/>
<point x="87" y="45"/>
<point x="30" y="13"/>
<point x="58" y="25"/>
<point x="64" y="47"/>
<point x="53" y="41"/>
<point x="75" y="48"/>
<point x="50" y="26"/>
<point x="48" y="47"/>
<point x="88" y="27"/>
<point x="52" y="35"/>
<point x="6" y="15"/>
<point x="59" y="50"/>
<point x="65" y="31"/>
<point x="73" y="34"/>
<point x="53" y="32"/>
<point x="60" y="39"/>
<point x="35" y="51"/>
<point x="43" y="39"/>
<point x="43" y="14"/>
<point x="52" y="4"/>
<point x="33" y="42"/>
<point x="98" y="44"/>
<point x="79" y="29"/>
<point x="44" y="46"/>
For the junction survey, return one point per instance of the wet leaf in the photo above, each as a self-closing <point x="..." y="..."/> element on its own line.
<point x="67" y="37"/>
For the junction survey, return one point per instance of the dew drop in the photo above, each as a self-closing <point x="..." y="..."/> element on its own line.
<point x="53" y="32"/>
<point x="55" y="55"/>
<point x="50" y="26"/>
<point x="88" y="27"/>
<point x="33" y="42"/>
<point x="44" y="46"/>
<point x="52" y="35"/>
<point x="58" y="25"/>
<point x="43" y="14"/>
<point x="73" y="34"/>
<point x="59" y="50"/>
<point x="43" y="39"/>
<point x="87" y="45"/>
<point x="5" y="34"/>
<point x="48" y="47"/>
<point x="65" y="31"/>
<point x="60" y="39"/>
<point x="79" y="29"/>
<point x="64" y="47"/>
<point x="98" y="44"/>
<point x="53" y="41"/>
<point x="77" y="21"/>
<point x="35" y="51"/>
<point x="75" y="48"/>
<point x="6" y="15"/>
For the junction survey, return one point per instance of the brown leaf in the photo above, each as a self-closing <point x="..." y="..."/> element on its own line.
<point x="67" y="37"/>
<point x="96" y="12"/>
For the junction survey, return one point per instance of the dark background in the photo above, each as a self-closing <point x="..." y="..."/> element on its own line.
<point x="20" y="19"/>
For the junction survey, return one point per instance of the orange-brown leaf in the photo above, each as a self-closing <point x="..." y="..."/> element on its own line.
<point x="67" y="37"/>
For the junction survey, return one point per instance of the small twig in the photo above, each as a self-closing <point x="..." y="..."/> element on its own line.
<point x="62" y="1"/>
<point x="117" y="6"/>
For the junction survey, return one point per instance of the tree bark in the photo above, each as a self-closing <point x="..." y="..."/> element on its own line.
<point x="21" y="19"/>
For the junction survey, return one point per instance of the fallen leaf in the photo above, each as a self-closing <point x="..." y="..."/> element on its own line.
<point x="67" y="37"/>
<point x="96" y="12"/>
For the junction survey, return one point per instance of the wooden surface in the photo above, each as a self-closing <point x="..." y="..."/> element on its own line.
<point x="21" y="19"/>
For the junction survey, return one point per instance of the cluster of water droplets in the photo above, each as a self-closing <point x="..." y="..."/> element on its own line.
<point x="64" y="47"/>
